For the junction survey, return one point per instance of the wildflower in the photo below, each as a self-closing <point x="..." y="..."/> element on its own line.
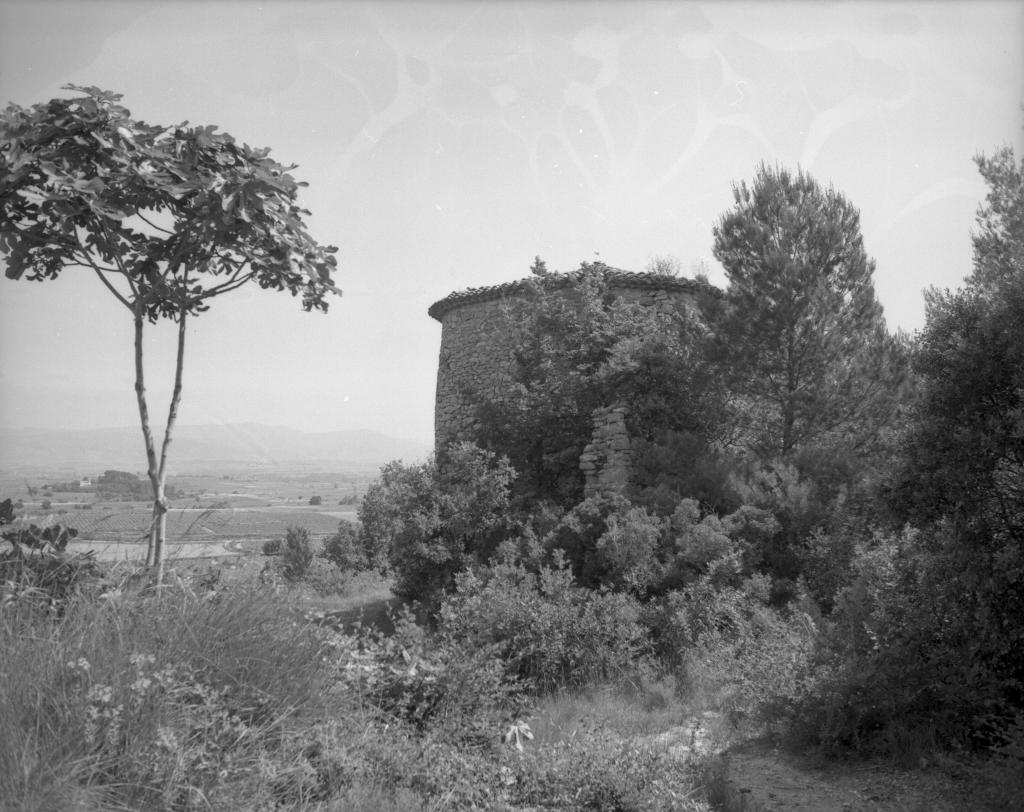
<point x="100" y="694"/>
<point x="141" y="660"/>
<point x="166" y="739"/>
<point x="515" y="734"/>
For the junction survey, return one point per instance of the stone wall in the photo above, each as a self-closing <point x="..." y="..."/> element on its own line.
<point x="607" y="461"/>
<point x="476" y="356"/>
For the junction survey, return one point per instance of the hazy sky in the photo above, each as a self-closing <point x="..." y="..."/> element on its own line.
<point x="447" y="144"/>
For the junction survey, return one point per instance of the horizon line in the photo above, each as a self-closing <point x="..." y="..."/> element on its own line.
<point x="160" y="427"/>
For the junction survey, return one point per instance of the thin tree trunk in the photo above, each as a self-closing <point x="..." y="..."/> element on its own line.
<point x="172" y="416"/>
<point x="147" y="435"/>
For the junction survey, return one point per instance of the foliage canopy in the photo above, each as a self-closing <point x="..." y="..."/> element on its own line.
<point x="804" y="340"/>
<point x="176" y="215"/>
<point x="166" y="217"/>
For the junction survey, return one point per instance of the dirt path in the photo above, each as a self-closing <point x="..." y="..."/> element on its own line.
<point x="769" y="780"/>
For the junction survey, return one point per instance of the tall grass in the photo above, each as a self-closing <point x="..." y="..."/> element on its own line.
<point x="228" y="700"/>
<point x="147" y="701"/>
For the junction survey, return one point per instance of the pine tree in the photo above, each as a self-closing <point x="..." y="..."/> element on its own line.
<point x="804" y="343"/>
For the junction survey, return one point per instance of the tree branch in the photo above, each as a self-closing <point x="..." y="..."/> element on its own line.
<point x="172" y="414"/>
<point x="153" y="225"/>
<point x="112" y="289"/>
<point x="232" y="284"/>
<point x="93" y="265"/>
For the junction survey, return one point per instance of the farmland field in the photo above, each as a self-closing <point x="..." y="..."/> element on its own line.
<point x="127" y="524"/>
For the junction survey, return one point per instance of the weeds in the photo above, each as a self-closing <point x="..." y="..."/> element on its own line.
<point x="222" y="700"/>
<point x="152" y="700"/>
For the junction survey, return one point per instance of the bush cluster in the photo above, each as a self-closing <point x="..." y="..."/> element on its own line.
<point x="432" y="520"/>
<point x="547" y="630"/>
<point x="36" y="569"/>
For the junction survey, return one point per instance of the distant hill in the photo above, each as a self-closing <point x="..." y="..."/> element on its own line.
<point x="201" y="447"/>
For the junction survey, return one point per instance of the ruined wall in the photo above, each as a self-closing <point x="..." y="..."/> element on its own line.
<point x="476" y="356"/>
<point x="607" y="461"/>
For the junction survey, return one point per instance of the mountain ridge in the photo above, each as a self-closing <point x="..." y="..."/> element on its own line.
<point x="203" y="444"/>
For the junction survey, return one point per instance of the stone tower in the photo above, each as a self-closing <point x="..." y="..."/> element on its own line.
<point x="477" y="355"/>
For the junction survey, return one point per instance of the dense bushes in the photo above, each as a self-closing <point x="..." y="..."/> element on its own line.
<point x="609" y="543"/>
<point x="928" y="622"/>
<point x="345" y="550"/>
<point x="435" y="519"/>
<point x="897" y="666"/>
<point x="546" y="629"/>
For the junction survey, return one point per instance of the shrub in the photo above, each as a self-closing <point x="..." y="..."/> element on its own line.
<point x="678" y="465"/>
<point x="907" y="650"/>
<point x="792" y="498"/>
<point x="345" y="549"/>
<point x="609" y="543"/>
<point x="753" y="530"/>
<point x="1005" y="772"/>
<point x="424" y="679"/>
<point x="745" y="657"/>
<point x="323" y="577"/>
<point x="36" y="567"/>
<point x="545" y="628"/>
<point x="46" y="578"/>
<point x="602" y="773"/>
<point x="272" y="546"/>
<point x="697" y="544"/>
<point x="437" y="518"/>
<point x="296" y="552"/>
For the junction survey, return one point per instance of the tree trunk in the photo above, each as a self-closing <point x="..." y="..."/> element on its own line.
<point x="157" y="472"/>
<point x="172" y="417"/>
<point x="153" y="547"/>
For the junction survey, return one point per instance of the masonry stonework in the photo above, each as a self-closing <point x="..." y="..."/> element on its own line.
<point x="607" y="461"/>
<point x="477" y="357"/>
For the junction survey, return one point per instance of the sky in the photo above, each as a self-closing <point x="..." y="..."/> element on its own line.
<point x="448" y="144"/>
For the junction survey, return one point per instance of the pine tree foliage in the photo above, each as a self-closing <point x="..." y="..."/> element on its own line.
<point x="804" y="340"/>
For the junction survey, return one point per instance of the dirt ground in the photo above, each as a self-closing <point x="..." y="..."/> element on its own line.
<point x="768" y="780"/>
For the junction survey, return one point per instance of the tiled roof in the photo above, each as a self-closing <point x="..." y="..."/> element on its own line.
<point x="614" y="277"/>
